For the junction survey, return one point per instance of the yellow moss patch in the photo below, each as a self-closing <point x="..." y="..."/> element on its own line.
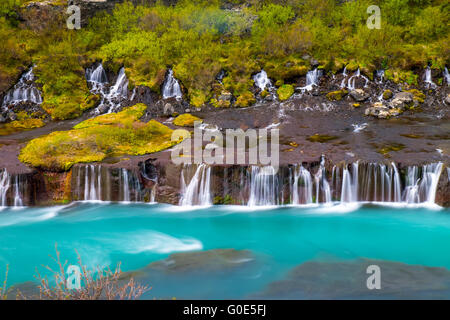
<point x="20" y="125"/>
<point x="111" y="135"/>
<point x="418" y="95"/>
<point x="245" y="100"/>
<point x="186" y="120"/>
<point x="336" y="95"/>
<point x="285" y="92"/>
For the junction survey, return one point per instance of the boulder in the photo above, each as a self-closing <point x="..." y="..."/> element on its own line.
<point x="225" y="96"/>
<point x="2" y="119"/>
<point x="378" y="110"/>
<point x="447" y="99"/>
<point x="168" y="109"/>
<point x="359" y="95"/>
<point x="402" y="101"/>
<point x="387" y="94"/>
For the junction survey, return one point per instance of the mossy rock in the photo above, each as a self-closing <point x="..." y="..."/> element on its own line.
<point x="387" y="94"/>
<point x="93" y="140"/>
<point x="337" y="95"/>
<point x="322" y="138"/>
<point x="20" y="125"/>
<point x="401" y="76"/>
<point x="186" y="120"/>
<point x="245" y="100"/>
<point x="285" y="92"/>
<point x="418" y="95"/>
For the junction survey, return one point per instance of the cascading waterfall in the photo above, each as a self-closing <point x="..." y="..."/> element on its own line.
<point x="264" y="185"/>
<point x="262" y="81"/>
<point x="312" y="79"/>
<point x="198" y="191"/>
<point x="322" y="185"/>
<point x="422" y="187"/>
<point x="171" y="87"/>
<point x="302" y="189"/>
<point x="428" y="79"/>
<point x="344" y="74"/>
<point x="100" y="183"/>
<point x="447" y="76"/>
<point x="111" y="96"/>
<point x="23" y="91"/>
<point x="4" y="186"/>
<point x="92" y="183"/>
<point x="352" y="81"/>
<point x="6" y="182"/>
<point x="380" y="75"/>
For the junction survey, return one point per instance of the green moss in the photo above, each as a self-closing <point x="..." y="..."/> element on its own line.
<point x="401" y="76"/>
<point x="322" y="138"/>
<point x="391" y="147"/>
<point x="285" y="92"/>
<point x="20" y="125"/>
<point x="387" y="94"/>
<point x="337" y="95"/>
<point x="418" y="95"/>
<point x="245" y="100"/>
<point x="186" y="120"/>
<point x="109" y="135"/>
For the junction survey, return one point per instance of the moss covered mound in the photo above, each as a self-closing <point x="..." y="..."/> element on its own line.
<point x="337" y="95"/>
<point x="186" y="120"/>
<point x="285" y="92"/>
<point x="95" y="139"/>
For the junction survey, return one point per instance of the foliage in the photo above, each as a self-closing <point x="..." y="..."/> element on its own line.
<point x="186" y="120"/>
<point x="198" y="39"/>
<point x="96" y="139"/>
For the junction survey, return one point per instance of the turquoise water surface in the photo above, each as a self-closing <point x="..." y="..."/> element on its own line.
<point x="280" y="239"/>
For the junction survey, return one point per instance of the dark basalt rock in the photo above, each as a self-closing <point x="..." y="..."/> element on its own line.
<point x="348" y="280"/>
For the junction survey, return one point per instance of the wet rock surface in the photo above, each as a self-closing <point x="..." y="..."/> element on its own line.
<point x="348" y="280"/>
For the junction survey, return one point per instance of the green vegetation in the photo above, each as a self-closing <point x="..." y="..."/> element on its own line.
<point x="198" y="39"/>
<point x="337" y="95"/>
<point x="322" y="138"/>
<point x="186" y="120"/>
<point x="285" y="92"/>
<point x="95" y="139"/>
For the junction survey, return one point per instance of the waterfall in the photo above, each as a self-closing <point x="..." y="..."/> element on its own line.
<point x="352" y="81"/>
<point x="380" y="75"/>
<point x="344" y="74"/>
<point x="171" y="87"/>
<point x="125" y="185"/>
<point x="6" y="180"/>
<point x="262" y="81"/>
<point x="322" y="184"/>
<point x="302" y="189"/>
<point x="198" y="191"/>
<point x="349" y="189"/>
<point x="92" y="183"/>
<point x="23" y="91"/>
<point x="428" y="79"/>
<point x="110" y="96"/>
<point x="447" y="76"/>
<point x="4" y="186"/>
<point x="17" y="196"/>
<point x="264" y="186"/>
<point x="312" y="79"/>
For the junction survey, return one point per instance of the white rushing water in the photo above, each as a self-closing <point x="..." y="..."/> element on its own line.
<point x="380" y="75"/>
<point x="262" y="81"/>
<point x="171" y="87"/>
<point x="312" y="80"/>
<point x="23" y="91"/>
<point x="428" y="79"/>
<point x="422" y="187"/>
<point x="352" y="81"/>
<point x="92" y="183"/>
<point x="6" y="182"/>
<point x="111" y="97"/>
<point x="447" y="76"/>
<point x="302" y="190"/>
<point x="198" y="191"/>
<point x="263" y="186"/>
<point x="4" y="186"/>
